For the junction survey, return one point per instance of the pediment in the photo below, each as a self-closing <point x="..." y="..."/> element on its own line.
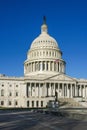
<point x="61" y="77"/>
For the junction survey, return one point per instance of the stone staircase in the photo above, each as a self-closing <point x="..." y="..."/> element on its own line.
<point x="69" y="102"/>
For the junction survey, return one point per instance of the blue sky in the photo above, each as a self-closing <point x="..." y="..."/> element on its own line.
<point x="20" y="22"/>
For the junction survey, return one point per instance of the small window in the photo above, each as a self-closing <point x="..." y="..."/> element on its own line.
<point x="16" y="93"/>
<point x="49" y="53"/>
<point x="27" y="103"/>
<point x="16" y="85"/>
<point x="37" y="103"/>
<point x="9" y="103"/>
<point x="2" y="103"/>
<point x="52" y="53"/>
<point x="16" y="103"/>
<point x="46" y="53"/>
<point x="41" y="103"/>
<point x="2" y="92"/>
<point x="2" y="85"/>
<point x="10" y="94"/>
<point x="32" y="103"/>
<point x="43" y="53"/>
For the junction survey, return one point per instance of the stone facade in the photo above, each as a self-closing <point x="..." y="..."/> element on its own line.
<point x="44" y="78"/>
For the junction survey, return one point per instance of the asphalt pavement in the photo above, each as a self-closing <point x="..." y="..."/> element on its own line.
<point x="29" y="120"/>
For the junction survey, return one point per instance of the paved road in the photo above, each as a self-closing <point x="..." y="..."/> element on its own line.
<point x="25" y="120"/>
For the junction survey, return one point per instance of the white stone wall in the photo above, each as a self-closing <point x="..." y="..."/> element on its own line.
<point x="11" y="95"/>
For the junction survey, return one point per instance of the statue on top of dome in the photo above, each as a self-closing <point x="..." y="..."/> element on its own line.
<point x="44" y="19"/>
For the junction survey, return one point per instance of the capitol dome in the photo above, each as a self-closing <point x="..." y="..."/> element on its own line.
<point x="44" y="40"/>
<point x="44" y="55"/>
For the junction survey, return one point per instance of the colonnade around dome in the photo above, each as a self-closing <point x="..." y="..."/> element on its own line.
<point x="44" y="66"/>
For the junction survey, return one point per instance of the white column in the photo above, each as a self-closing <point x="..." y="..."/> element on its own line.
<point x="58" y="90"/>
<point x="49" y="65"/>
<point x="59" y="67"/>
<point x="51" y="89"/>
<point x="45" y="90"/>
<point x="45" y="65"/>
<point x="53" y="66"/>
<point x="31" y="67"/>
<point x="71" y="90"/>
<point x="35" y="88"/>
<point x="75" y="90"/>
<point x="83" y="91"/>
<point x="42" y="65"/>
<point x="34" y="67"/>
<point x="86" y="91"/>
<point x="62" y="90"/>
<point x="39" y="90"/>
<point x="80" y="90"/>
<point x="67" y="91"/>
<point x="54" y="89"/>
<point x="30" y="90"/>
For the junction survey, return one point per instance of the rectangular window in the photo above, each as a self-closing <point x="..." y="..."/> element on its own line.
<point x="2" y="92"/>
<point x="27" y="103"/>
<point x="10" y="94"/>
<point x="37" y="103"/>
<point x="41" y="103"/>
<point x="16" y="94"/>
<point x="32" y="103"/>
<point x="16" y="103"/>
<point x="9" y="103"/>
<point x="2" y="103"/>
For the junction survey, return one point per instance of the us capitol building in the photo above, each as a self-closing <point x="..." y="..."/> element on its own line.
<point x="44" y="78"/>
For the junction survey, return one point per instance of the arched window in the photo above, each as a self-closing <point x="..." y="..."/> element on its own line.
<point x="50" y="53"/>
<point x="16" y="103"/>
<point x="9" y="102"/>
<point x="32" y="103"/>
<point x="2" y="102"/>
<point x="43" y="53"/>
<point x="10" y="94"/>
<point x="37" y="103"/>
<point x="16" y="94"/>
<point x="47" y="53"/>
<point x="2" y="92"/>
<point x="27" y="103"/>
<point x="41" y="103"/>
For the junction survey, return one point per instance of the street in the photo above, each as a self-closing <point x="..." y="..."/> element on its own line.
<point x="29" y="120"/>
